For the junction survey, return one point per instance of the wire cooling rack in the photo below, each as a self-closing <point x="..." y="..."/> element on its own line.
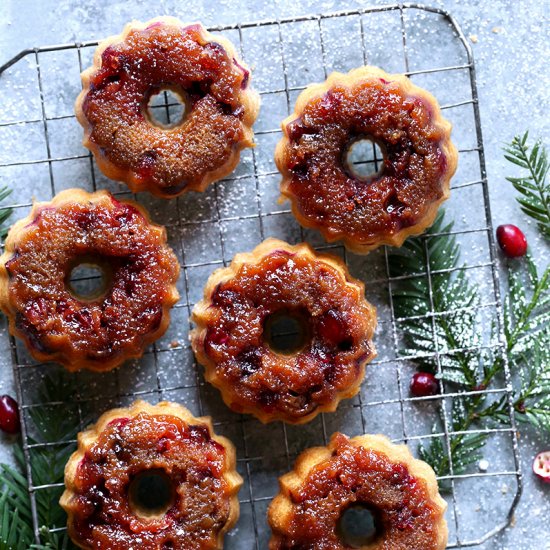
<point x="41" y="154"/>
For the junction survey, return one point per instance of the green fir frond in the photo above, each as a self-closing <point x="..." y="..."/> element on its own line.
<point x="532" y="400"/>
<point x="454" y="302"/>
<point x="526" y="306"/>
<point x="464" y="364"/>
<point x="47" y="466"/>
<point x="5" y="212"/>
<point x="532" y="187"/>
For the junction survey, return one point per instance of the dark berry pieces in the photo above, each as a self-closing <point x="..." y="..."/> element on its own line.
<point x="9" y="415"/>
<point x="394" y="206"/>
<point x="217" y="336"/>
<point x="332" y="329"/>
<point x="424" y="384"/>
<point x="295" y="129"/>
<point x="511" y="240"/>
<point x="119" y="422"/>
<point x="85" y="219"/>
<point x="541" y="466"/>
<point x="249" y="361"/>
<point x="199" y="433"/>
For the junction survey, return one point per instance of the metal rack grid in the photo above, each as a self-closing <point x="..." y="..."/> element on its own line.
<point x="202" y="229"/>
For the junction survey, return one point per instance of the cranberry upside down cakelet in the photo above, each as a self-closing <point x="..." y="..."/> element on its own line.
<point x="151" y="477"/>
<point x="96" y="331"/>
<point x="209" y="78"/>
<point x="367" y="472"/>
<point x="326" y="193"/>
<point x="235" y="335"/>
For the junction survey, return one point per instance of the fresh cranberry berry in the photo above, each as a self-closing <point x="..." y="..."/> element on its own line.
<point x="541" y="466"/>
<point x="424" y="384"/>
<point x="511" y="240"/>
<point x="9" y="415"/>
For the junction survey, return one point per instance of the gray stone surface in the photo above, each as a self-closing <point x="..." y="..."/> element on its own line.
<point x="511" y="47"/>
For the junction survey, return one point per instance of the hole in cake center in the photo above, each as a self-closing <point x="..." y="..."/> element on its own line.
<point x="286" y="331"/>
<point x="358" y="526"/>
<point x="151" y="493"/>
<point x="167" y="107"/>
<point x="364" y="158"/>
<point x="89" y="278"/>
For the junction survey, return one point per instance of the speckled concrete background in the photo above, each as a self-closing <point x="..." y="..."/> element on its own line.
<point x="511" y="46"/>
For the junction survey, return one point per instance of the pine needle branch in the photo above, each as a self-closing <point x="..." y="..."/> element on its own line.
<point x="16" y="531"/>
<point x="534" y="191"/>
<point x="47" y="465"/>
<point x="454" y="304"/>
<point x="526" y="306"/>
<point x="5" y="212"/>
<point x="465" y="366"/>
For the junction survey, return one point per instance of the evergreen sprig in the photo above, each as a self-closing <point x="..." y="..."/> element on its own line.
<point x="16" y="532"/>
<point x="47" y="466"/>
<point x="465" y="365"/>
<point x="533" y="188"/>
<point x="454" y="303"/>
<point x="5" y="212"/>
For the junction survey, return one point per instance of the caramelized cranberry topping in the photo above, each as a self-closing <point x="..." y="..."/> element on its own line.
<point x="414" y="165"/>
<point x="333" y="330"/>
<point x="102" y="515"/>
<point x="142" y="271"/>
<point x="287" y="385"/>
<point x="354" y="475"/>
<point x="164" y="55"/>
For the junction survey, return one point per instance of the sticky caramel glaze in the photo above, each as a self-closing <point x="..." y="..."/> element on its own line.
<point x="401" y="492"/>
<point x="96" y="334"/>
<point x="419" y="158"/>
<point x="229" y="339"/>
<point x="214" y="84"/>
<point x="126" y="442"/>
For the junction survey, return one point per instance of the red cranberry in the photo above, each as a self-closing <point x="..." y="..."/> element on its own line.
<point x="199" y="433"/>
<point x="295" y="129"/>
<point x="217" y="336"/>
<point x="332" y="330"/>
<point x="541" y="466"/>
<point x="9" y="415"/>
<point x="424" y="384"/>
<point x="511" y="240"/>
<point x="249" y="361"/>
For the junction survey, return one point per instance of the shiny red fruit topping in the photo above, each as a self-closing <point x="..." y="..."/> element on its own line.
<point x="9" y="415"/>
<point x="541" y="466"/>
<point x="424" y="384"/>
<point x="333" y="330"/>
<point x="511" y="240"/>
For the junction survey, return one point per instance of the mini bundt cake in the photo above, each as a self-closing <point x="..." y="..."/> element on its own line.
<point x="232" y="338"/>
<point x="419" y="158"/>
<point x="151" y="477"/>
<point x="367" y="471"/>
<point x="203" y="70"/>
<point x="96" y="332"/>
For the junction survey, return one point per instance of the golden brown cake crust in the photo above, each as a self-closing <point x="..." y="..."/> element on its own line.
<point x="126" y="441"/>
<point x="230" y="340"/>
<point x="399" y="489"/>
<point x="210" y="78"/>
<point x="95" y="333"/>
<point x="419" y="158"/>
